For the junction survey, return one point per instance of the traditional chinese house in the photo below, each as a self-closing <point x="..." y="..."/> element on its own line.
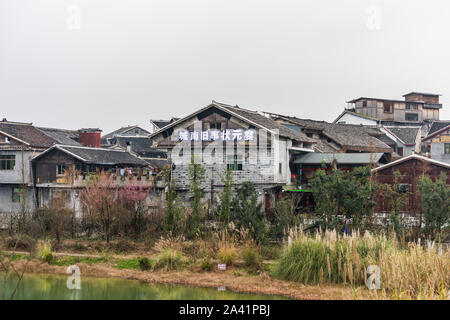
<point x="220" y="136"/>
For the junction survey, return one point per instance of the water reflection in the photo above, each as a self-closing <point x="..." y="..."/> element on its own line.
<point x="53" y="287"/>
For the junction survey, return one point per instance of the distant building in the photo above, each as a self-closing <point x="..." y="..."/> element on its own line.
<point x="63" y="171"/>
<point x="437" y="144"/>
<point x="142" y="147"/>
<point x="411" y="168"/>
<point x="406" y="139"/>
<point x="124" y="131"/>
<point x="159" y="124"/>
<point x="416" y="108"/>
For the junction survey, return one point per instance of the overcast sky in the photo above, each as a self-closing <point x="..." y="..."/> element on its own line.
<point x="110" y="63"/>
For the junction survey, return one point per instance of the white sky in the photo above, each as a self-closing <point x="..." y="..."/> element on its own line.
<point x="131" y="61"/>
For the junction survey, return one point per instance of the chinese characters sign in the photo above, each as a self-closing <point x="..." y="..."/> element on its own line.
<point x="212" y="135"/>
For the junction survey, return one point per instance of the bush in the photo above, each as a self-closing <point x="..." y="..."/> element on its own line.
<point x="251" y="257"/>
<point x="227" y="256"/>
<point x="44" y="253"/>
<point x="270" y="252"/>
<point x="248" y="213"/>
<point x="170" y="259"/>
<point x="144" y="264"/>
<point x="122" y="246"/>
<point x="206" y="265"/>
<point x="21" y="242"/>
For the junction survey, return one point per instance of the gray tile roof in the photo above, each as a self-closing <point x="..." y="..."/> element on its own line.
<point x="61" y="136"/>
<point x="100" y="156"/>
<point x="269" y="123"/>
<point x="137" y="143"/>
<point x="406" y="134"/>
<point x="119" y="131"/>
<point x="438" y="125"/>
<point x="157" y="163"/>
<point x="28" y="133"/>
<point x="161" y="123"/>
<point x="341" y="158"/>
<point x="349" y="135"/>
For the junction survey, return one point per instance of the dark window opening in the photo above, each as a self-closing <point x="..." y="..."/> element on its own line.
<point x="7" y="162"/>
<point x="18" y="194"/>
<point x="447" y="148"/>
<point x="234" y="162"/>
<point x="411" y="117"/>
<point x="364" y="104"/>
<point x="387" y="107"/>
<point x="60" y="169"/>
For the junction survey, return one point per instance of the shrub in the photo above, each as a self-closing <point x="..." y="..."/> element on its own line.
<point x="122" y="246"/>
<point x="170" y="259"/>
<point x="251" y="257"/>
<point x="21" y="242"/>
<point x="144" y="263"/>
<point x="270" y="252"/>
<point x="227" y="255"/>
<point x="206" y="265"/>
<point x="247" y="212"/>
<point x="44" y="253"/>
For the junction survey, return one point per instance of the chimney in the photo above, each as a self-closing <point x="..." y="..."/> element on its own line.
<point x="90" y="137"/>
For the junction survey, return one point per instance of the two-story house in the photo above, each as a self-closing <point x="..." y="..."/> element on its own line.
<point x="253" y="146"/>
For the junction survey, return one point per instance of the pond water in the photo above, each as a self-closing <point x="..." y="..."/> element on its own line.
<point x="53" y="287"/>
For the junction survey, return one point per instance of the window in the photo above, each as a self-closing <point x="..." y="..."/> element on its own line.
<point x="411" y="117"/>
<point x="447" y="148"/>
<point x="215" y="125"/>
<point x="7" y="140"/>
<point x="17" y="194"/>
<point x="234" y="162"/>
<point x="7" y="162"/>
<point x="400" y="151"/>
<point x="387" y="107"/>
<point x="403" y="187"/>
<point x="60" y="168"/>
<point x="280" y="168"/>
<point x="309" y="134"/>
<point x="411" y="106"/>
<point x="136" y="132"/>
<point x="364" y="104"/>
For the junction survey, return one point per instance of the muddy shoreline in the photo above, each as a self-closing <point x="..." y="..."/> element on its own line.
<point x="260" y="284"/>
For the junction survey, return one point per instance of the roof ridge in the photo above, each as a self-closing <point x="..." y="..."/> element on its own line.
<point x="88" y="148"/>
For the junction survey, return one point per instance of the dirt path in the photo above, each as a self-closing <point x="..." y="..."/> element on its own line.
<point x="261" y="284"/>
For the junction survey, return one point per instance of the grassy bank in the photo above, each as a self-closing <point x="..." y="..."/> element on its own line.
<point x="412" y="271"/>
<point x="323" y="266"/>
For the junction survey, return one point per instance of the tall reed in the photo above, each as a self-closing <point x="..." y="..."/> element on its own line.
<point x="328" y="257"/>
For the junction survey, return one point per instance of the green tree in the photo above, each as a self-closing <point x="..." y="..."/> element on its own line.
<point x="196" y="175"/>
<point x="435" y="204"/>
<point x="327" y="192"/>
<point x="284" y="217"/>
<point x="173" y="214"/>
<point x="224" y="208"/>
<point x="396" y="199"/>
<point x="247" y="212"/>
<point x="349" y="193"/>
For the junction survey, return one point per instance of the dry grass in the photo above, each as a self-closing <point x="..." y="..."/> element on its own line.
<point x="412" y="272"/>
